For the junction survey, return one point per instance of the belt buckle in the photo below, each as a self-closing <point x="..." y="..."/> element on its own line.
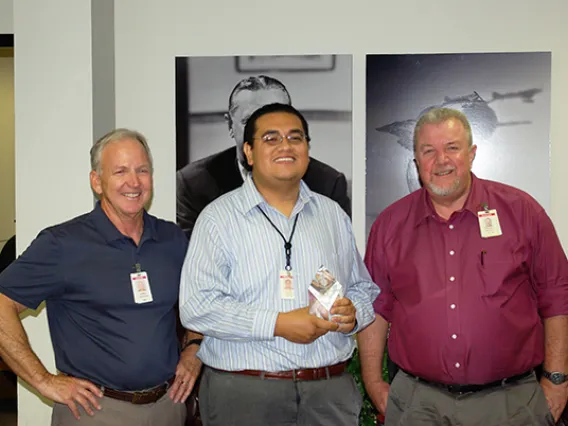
<point x="137" y="397"/>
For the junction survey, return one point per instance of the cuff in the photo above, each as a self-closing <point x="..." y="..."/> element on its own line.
<point x="264" y="324"/>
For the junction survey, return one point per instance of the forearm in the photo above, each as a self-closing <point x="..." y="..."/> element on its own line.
<point x="556" y="343"/>
<point x="188" y="337"/>
<point x="371" y="343"/>
<point x="228" y="320"/>
<point x="15" y="348"/>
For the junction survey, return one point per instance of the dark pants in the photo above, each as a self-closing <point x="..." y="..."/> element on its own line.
<point x="232" y="399"/>
<point x="412" y="403"/>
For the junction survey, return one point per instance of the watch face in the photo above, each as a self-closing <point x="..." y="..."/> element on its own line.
<point x="557" y="378"/>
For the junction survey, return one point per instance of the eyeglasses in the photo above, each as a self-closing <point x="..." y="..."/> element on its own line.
<point x="275" y="138"/>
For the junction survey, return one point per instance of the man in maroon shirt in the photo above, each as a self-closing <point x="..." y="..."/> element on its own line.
<point x="474" y="285"/>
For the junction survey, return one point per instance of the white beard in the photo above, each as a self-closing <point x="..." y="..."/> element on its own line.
<point x="444" y="192"/>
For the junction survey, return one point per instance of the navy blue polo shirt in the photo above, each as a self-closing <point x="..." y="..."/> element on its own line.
<point x="82" y="268"/>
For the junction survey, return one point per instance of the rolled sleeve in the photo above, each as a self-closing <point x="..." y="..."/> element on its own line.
<point x="549" y="269"/>
<point x="375" y="262"/>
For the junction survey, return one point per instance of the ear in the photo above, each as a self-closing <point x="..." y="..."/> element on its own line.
<point x="227" y="118"/>
<point x="247" y="148"/>
<point x="96" y="183"/>
<point x="471" y="154"/>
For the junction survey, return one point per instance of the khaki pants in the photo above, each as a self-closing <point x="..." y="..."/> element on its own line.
<point x="120" y="413"/>
<point x="412" y="403"/>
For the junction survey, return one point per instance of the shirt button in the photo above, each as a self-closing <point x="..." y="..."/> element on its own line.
<point x="452" y="252"/>
<point x="452" y="278"/>
<point x="452" y="306"/>
<point x="451" y="226"/>
<point x="458" y="365"/>
<point x="454" y="336"/>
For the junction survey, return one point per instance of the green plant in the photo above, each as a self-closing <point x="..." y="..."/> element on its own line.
<point x="368" y="415"/>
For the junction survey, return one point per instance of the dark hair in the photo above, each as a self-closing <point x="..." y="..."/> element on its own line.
<point x="250" y="127"/>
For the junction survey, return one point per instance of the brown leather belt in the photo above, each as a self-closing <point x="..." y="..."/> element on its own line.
<point x="296" y="375"/>
<point x="140" y="397"/>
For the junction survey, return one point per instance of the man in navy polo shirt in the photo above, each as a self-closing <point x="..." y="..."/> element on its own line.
<point x="110" y="279"/>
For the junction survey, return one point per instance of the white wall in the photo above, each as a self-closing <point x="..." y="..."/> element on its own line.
<point x="148" y="40"/>
<point x="54" y="132"/>
<point x="6" y="17"/>
<point x="7" y="143"/>
<point x="52" y="70"/>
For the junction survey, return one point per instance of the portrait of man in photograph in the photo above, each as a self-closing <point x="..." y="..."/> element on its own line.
<point x="201" y="181"/>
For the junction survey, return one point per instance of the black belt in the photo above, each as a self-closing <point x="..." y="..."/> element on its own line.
<point x="462" y="389"/>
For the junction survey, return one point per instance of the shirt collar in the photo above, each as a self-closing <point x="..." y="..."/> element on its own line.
<point x="244" y="172"/>
<point x="111" y="233"/>
<point x="474" y="202"/>
<point x="252" y="198"/>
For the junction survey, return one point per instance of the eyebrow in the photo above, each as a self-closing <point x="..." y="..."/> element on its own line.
<point x="272" y="131"/>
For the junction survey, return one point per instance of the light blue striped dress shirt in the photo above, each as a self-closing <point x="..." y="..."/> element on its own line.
<point x="230" y="286"/>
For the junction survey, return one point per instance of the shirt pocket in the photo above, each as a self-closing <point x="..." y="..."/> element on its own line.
<point x="497" y="273"/>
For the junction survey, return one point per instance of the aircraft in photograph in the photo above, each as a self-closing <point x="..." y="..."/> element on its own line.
<point x="526" y="95"/>
<point x="483" y="120"/>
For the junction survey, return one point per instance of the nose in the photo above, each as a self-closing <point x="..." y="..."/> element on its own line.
<point x="441" y="157"/>
<point x="133" y="179"/>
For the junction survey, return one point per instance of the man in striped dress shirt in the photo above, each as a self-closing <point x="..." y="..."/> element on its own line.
<point x="267" y="360"/>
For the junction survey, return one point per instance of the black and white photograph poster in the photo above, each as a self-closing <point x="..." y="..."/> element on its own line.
<point x="215" y="96"/>
<point x="506" y="97"/>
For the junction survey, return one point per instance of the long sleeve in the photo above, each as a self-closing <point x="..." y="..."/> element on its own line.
<point x="207" y="304"/>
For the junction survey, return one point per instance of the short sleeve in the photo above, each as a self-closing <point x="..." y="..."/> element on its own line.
<point x="34" y="276"/>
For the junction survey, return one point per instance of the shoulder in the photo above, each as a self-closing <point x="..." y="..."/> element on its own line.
<point x="397" y="217"/>
<point x="75" y="227"/>
<point x="167" y="230"/>
<point x="207" y="166"/>
<point x="317" y="167"/>
<point x="329" y="209"/>
<point x="503" y="195"/>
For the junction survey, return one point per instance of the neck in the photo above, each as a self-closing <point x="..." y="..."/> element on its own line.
<point x="446" y="206"/>
<point x="130" y="226"/>
<point x="282" y="196"/>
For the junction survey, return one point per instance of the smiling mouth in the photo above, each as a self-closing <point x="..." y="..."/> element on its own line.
<point x="444" y="173"/>
<point x="132" y="195"/>
<point x="285" y="160"/>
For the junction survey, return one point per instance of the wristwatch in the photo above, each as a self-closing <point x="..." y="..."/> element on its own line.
<point x="191" y="342"/>
<point x="555" y="377"/>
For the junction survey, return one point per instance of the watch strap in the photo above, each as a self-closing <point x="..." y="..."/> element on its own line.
<point x="191" y="342"/>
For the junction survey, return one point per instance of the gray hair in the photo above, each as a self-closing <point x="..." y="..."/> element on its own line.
<point x="438" y="115"/>
<point x="115" y="136"/>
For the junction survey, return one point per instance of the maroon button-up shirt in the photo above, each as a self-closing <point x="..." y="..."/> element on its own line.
<point x="465" y="309"/>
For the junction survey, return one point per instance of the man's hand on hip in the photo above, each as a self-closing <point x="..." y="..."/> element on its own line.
<point x="71" y="391"/>
<point x="187" y="372"/>
<point x="299" y="326"/>
<point x="346" y="309"/>
<point x="556" y="396"/>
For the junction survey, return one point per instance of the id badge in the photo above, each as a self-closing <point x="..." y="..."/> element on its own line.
<point x="286" y="285"/>
<point x="489" y="223"/>
<point x="141" y="287"/>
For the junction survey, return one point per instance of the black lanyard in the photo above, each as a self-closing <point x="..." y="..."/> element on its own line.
<point x="287" y="244"/>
